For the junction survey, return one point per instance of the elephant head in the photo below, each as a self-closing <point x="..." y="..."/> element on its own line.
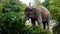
<point x="30" y="12"/>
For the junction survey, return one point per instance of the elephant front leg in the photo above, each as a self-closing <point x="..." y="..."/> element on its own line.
<point x="39" y="21"/>
<point x="33" y="21"/>
<point x="48" y="25"/>
<point x="44" y="25"/>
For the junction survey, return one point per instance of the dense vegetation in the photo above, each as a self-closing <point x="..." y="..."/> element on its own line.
<point x="11" y="16"/>
<point x="11" y="13"/>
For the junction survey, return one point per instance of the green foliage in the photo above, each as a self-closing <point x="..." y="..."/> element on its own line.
<point x="13" y="6"/>
<point x="11" y="22"/>
<point x="54" y="8"/>
<point x="38" y="30"/>
<point x="11" y="17"/>
<point x="46" y="3"/>
<point x="37" y="2"/>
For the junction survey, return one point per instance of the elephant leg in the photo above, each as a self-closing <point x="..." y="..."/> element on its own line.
<point x="39" y="21"/>
<point x="48" y="22"/>
<point x="48" y="25"/>
<point x="33" y="21"/>
<point x="44" y="25"/>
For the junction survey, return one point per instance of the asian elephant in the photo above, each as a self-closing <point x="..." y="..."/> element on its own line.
<point x="39" y="14"/>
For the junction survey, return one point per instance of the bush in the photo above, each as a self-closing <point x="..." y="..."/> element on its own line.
<point x="37" y="30"/>
<point x="11" y="23"/>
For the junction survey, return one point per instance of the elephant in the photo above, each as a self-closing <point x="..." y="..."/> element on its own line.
<point x="39" y="14"/>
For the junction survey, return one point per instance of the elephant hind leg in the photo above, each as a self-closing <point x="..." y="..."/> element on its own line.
<point x="48" y="21"/>
<point x="48" y="25"/>
<point x="44" y="25"/>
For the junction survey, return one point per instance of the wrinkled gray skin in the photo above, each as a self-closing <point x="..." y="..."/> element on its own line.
<point x="39" y="14"/>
